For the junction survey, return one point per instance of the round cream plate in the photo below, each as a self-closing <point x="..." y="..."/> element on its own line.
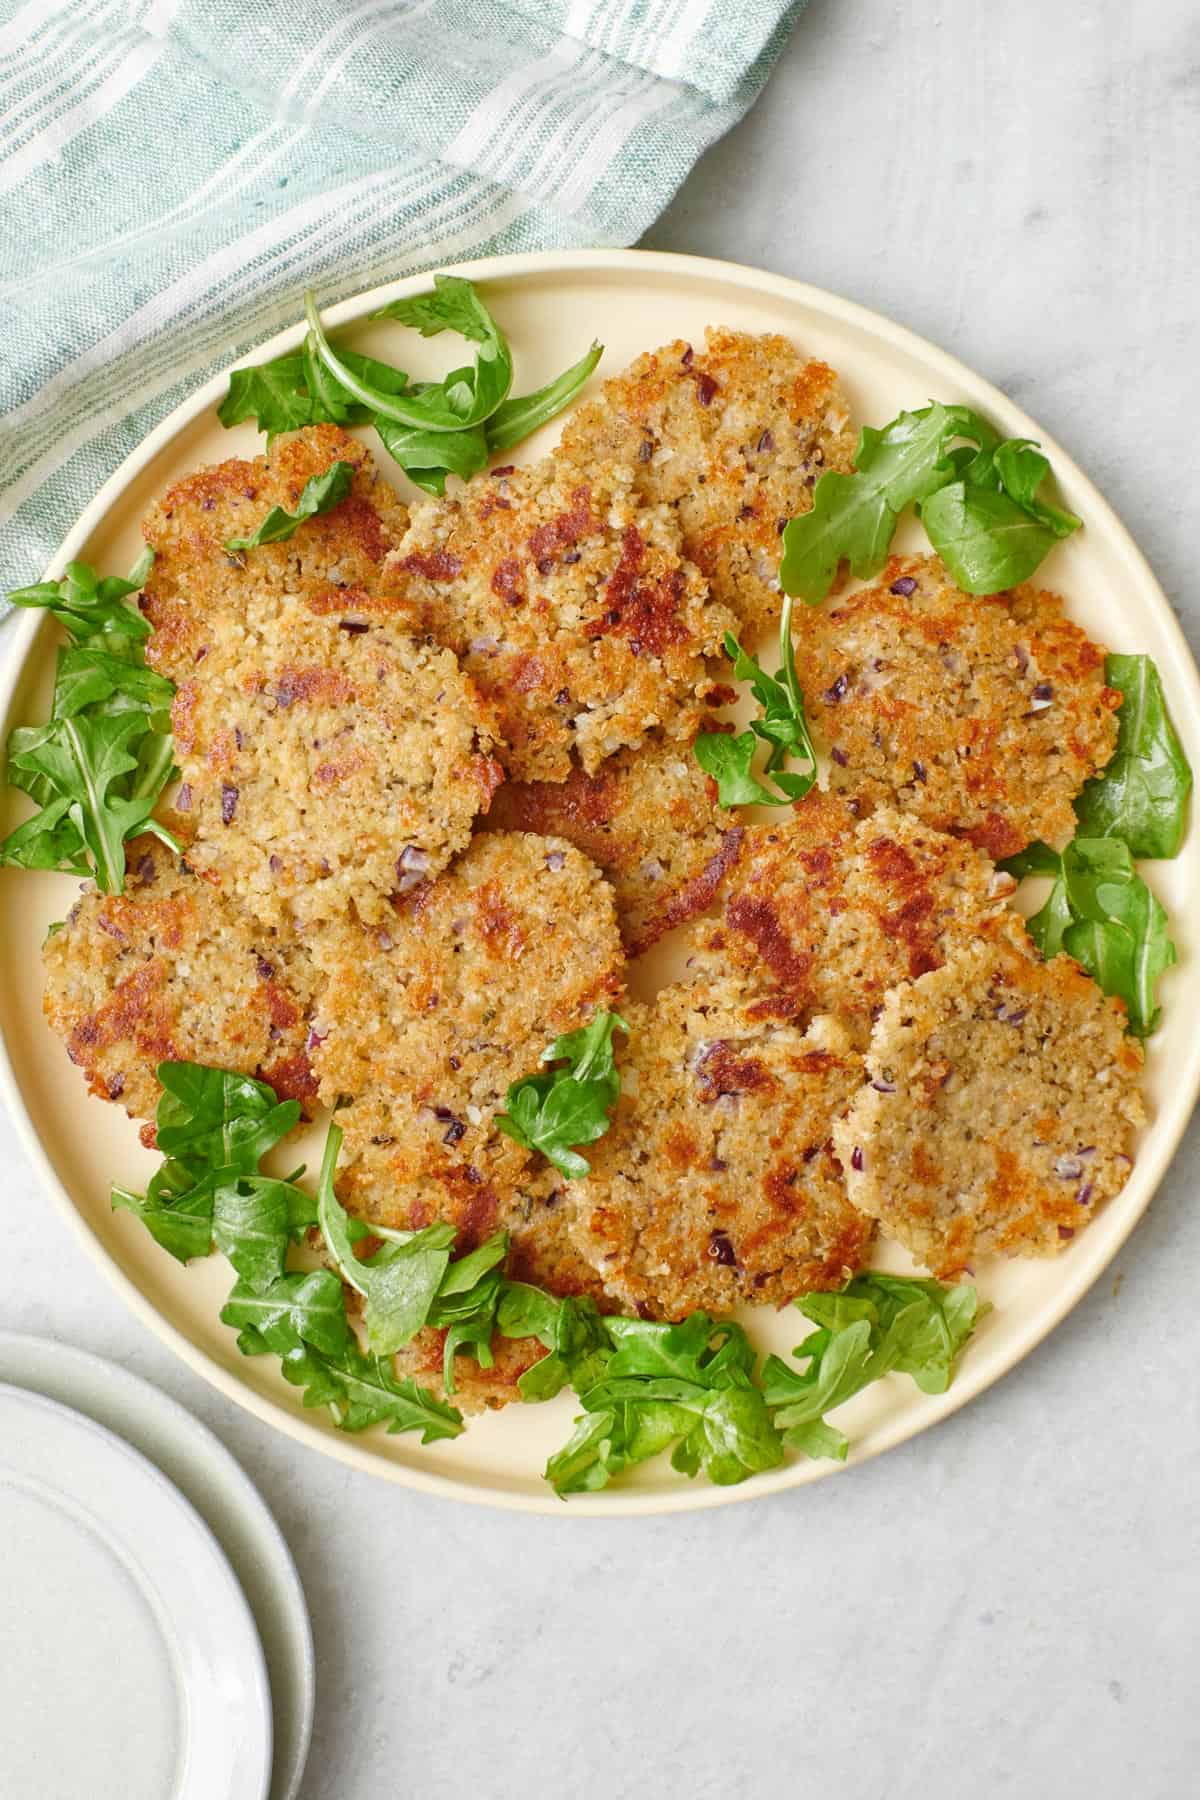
<point x="133" y="1670"/>
<point x="203" y="1471"/>
<point x="551" y="306"/>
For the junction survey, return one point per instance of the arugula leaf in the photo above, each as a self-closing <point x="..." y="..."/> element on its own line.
<point x="88" y="605"/>
<point x="307" y="1305"/>
<point x="730" y="762"/>
<point x="432" y="429"/>
<point x="570" y="1104"/>
<point x="923" y="1324"/>
<point x="465" y="397"/>
<point x="411" y="1282"/>
<point x="399" y="1284"/>
<point x="85" y="760"/>
<point x="183" y="1227"/>
<point x="466" y="1304"/>
<point x="690" y="1385"/>
<point x="320" y="494"/>
<point x="1101" y="912"/>
<point x="427" y="457"/>
<point x="454" y="305"/>
<point x="361" y="1391"/>
<point x="213" y="1129"/>
<point x="514" y="419"/>
<point x="1142" y="795"/>
<point x="854" y="517"/>
<point x="991" y="535"/>
<point x="978" y="504"/>
<point x="783" y="725"/>
<point x="89" y="676"/>
<point x="875" y="1324"/>
<point x="571" y="1329"/>
<point x="216" y="1118"/>
<point x="98" y="767"/>
<point x="273" y="394"/>
<point x="252" y="1223"/>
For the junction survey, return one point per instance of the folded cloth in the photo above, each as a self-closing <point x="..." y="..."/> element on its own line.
<point x="174" y="174"/>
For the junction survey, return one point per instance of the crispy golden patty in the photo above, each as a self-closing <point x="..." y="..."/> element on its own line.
<point x="325" y="563"/>
<point x="169" y="971"/>
<point x="572" y="607"/>
<point x="718" y="1183"/>
<point x="426" y="1020"/>
<point x="981" y="715"/>
<point x="1000" y="1110"/>
<point x="824" y="912"/>
<point x="734" y="435"/>
<point x="648" y="819"/>
<point x="329" y="761"/>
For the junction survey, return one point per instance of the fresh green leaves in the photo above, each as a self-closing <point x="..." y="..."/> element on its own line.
<point x="651" y="1387"/>
<point x="525" y="413"/>
<point x="214" y="1129"/>
<point x="784" y="726"/>
<point x="1101" y="912"/>
<point x="462" y="399"/>
<point x="978" y="503"/>
<point x="275" y="395"/>
<point x="569" y="1103"/>
<point x="646" y="1387"/>
<point x="98" y="767"/>
<point x="1141" y="796"/>
<point x="88" y="605"/>
<point x="875" y="1325"/>
<point x="432" y="429"/>
<point x="410" y="1281"/>
<point x="854" y="517"/>
<point x="320" y="494"/>
<point x="989" y="528"/>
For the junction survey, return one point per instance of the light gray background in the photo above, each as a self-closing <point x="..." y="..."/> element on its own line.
<point x="1009" y="1604"/>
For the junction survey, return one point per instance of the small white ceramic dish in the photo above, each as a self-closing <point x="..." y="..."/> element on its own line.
<point x="551" y="305"/>
<point x="133" y="1670"/>
<point x="199" y="1466"/>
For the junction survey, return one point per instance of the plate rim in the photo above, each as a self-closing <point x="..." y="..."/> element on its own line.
<point x="1081" y="1271"/>
<point x="115" y="1396"/>
<point x="203" y="1534"/>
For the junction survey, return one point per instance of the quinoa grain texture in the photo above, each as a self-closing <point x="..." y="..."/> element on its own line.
<point x="718" y="1183"/>
<point x="571" y="605"/>
<point x="171" y="971"/>
<point x="734" y="435"/>
<point x="982" y="715"/>
<point x="999" y="1111"/>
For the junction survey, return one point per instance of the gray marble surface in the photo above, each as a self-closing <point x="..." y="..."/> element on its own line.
<point x="1009" y="1604"/>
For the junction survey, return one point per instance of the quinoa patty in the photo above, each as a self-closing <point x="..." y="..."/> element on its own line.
<point x="981" y="714"/>
<point x="570" y="604"/>
<point x="1000" y="1111"/>
<point x="648" y="819"/>
<point x="424" y="1022"/>
<point x="329" y="761"/>
<point x="169" y="971"/>
<point x="718" y="1183"/>
<point x="734" y="435"/>
<point x="331" y="556"/>
<point x="824" y="912"/>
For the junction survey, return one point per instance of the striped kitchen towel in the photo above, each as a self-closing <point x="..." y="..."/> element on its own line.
<point x="174" y="173"/>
